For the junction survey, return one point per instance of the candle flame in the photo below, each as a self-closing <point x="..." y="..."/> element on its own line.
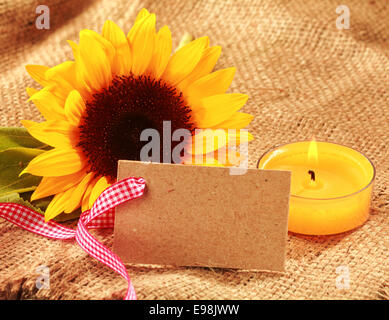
<point x="312" y="152"/>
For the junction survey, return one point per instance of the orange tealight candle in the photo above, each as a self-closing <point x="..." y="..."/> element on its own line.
<point x="331" y="185"/>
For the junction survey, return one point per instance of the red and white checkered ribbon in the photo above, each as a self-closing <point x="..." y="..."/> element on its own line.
<point x="101" y="215"/>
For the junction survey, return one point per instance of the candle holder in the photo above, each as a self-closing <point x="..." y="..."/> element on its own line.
<point x="328" y="196"/>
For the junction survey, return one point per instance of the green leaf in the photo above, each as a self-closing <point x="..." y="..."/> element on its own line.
<point x="12" y="137"/>
<point x="17" y="149"/>
<point x="38" y="205"/>
<point x="68" y="216"/>
<point x="42" y="204"/>
<point x="12" y="162"/>
<point x="16" y="198"/>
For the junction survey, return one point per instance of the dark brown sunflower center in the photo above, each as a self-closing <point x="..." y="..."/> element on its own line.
<point x="114" y="119"/>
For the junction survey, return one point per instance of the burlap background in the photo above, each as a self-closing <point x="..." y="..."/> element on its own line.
<point x="304" y="76"/>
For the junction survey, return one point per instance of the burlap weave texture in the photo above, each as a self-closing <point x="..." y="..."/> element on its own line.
<point x="304" y="77"/>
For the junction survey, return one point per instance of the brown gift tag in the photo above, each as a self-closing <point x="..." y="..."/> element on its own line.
<point x="203" y="216"/>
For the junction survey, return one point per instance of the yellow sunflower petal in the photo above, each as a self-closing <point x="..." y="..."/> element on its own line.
<point x="162" y="52"/>
<point x="99" y="187"/>
<point x="85" y="199"/>
<point x="38" y="73"/>
<point x="212" y="84"/>
<point x="55" y="163"/>
<point x="237" y="137"/>
<point x="142" y="41"/>
<point x="222" y="157"/>
<point x="204" y="67"/>
<point x="31" y="91"/>
<point x="202" y="160"/>
<point x="93" y="64"/>
<point x="63" y="74"/>
<point x="74" y="107"/>
<point x="183" y="61"/>
<point x="48" y="105"/>
<point x="43" y="108"/>
<point x="52" y="185"/>
<point x="208" y="140"/>
<point x="218" y="108"/>
<point x="55" y="133"/>
<point x="82" y="86"/>
<point x="239" y="120"/>
<point x="228" y="157"/>
<point x="74" y="47"/>
<point x="105" y="44"/>
<point x="64" y="79"/>
<point x="57" y="205"/>
<point x="76" y="197"/>
<point x="122" y="60"/>
<point x="142" y="14"/>
<point x="58" y="92"/>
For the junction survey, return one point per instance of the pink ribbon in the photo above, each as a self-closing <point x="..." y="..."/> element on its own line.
<point x="101" y="215"/>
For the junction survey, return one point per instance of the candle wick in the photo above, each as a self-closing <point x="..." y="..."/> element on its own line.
<point x="312" y="173"/>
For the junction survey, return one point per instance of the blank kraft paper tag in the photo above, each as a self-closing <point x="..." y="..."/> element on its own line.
<point x="204" y="216"/>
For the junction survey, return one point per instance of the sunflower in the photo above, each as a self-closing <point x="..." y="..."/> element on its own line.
<point x="96" y="106"/>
